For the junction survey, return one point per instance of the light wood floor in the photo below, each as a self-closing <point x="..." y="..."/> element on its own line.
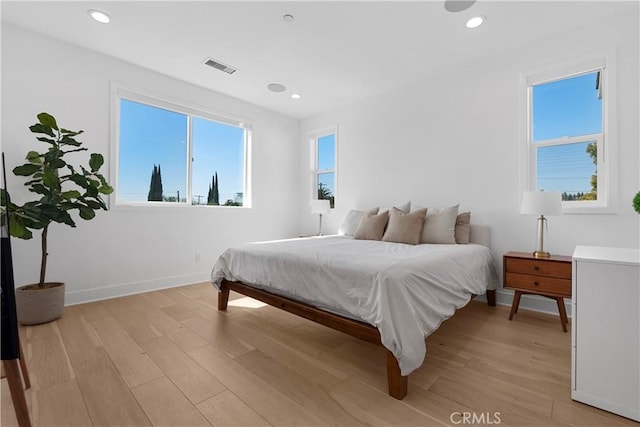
<point x="170" y="358"/>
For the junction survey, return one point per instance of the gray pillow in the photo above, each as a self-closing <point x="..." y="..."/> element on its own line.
<point x="463" y="228"/>
<point x="351" y="221"/>
<point x="405" y="227"/>
<point x="439" y="225"/>
<point x="371" y="227"/>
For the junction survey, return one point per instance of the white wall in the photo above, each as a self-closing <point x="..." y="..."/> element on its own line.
<point x="128" y="250"/>
<point x="454" y="138"/>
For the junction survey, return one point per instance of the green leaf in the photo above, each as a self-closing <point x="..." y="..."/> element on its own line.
<point x="80" y="180"/>
<point x="39" y="128"/>
<point x="26" y="169"/>
<point x="39" y="189"/>
<point x="71" y="194"/>
<point x="86" y="213"/>
<point x="48" y="120"/>
<point x="50" y="178"/>
<point x="67" y="140"/>
<point x="47" y="140"/>
<point x="34" y="157"/>
<point x="70" y="132"/>
<point x="105" y="189"/>
<point x="18" y="230"/>
<point x="96" y="161"/>
<point x="58" y="163"/>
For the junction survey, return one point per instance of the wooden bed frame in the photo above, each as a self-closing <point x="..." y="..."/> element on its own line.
<point x="396" y="382"/>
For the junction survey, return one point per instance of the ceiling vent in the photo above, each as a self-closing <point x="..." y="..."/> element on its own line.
<point x="219" y="66"/>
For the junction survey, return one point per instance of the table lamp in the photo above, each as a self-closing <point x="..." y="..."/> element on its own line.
<point x="321" y="207"/>
<point x="541" y="203"/>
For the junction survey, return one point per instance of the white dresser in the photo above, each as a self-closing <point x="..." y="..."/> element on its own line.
<point x="605" y="361"/>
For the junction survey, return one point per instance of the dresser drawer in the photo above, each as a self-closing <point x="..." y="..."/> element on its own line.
<point x="547" y="268"/>
<point x="540" y="284"/>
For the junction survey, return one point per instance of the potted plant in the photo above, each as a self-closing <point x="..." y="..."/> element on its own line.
<point x="60" y="189"/>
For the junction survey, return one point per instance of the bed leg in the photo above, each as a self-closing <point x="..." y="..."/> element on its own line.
<point x="491" y="297"/>
<point x="397" y="383"/>
<point x="223" y="298"/>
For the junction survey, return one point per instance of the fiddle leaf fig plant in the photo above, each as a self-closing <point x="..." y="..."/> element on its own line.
<point x="60" y="187"/>
<point x="636" y="202"/>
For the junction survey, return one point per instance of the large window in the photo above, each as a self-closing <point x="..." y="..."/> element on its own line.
<point x="566" y="138"/>
<point x="323" y="165"/>
<point x="171" y="154"/>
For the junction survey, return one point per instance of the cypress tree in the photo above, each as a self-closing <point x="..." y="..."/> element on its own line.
<point x="216" y="193"/>
<point x="155" y="187"/>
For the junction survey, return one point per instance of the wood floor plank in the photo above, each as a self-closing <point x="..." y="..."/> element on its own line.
<point x="578" y="414"/>
<point x="165" y="405"/>
<point x="46" y="356"/>
<point x="192" y="380"/>
<point x="134" y="365"/>
<point x="302" y="389"/>
<point x="60" y="405"/>
<point x="265" y="400"/>
<point x="226" y="409"/>
<point x="132" y="322"/>
<point x="216" y="333"/>
<point x="108" y="399"/>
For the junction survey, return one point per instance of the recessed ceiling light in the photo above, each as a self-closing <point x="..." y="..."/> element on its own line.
<point x="287" y="18"/>
<point x="296" y="96"/>
<point x="276" y="87"/>
<point x="476" y="21"/>
<point x="101" y="17"/>
<point x="458" y="5"/>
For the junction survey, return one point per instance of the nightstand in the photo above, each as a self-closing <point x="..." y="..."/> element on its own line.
<point x="549" y="277"/>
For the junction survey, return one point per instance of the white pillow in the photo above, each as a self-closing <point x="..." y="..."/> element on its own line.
<point x="351" y="221"/>
<point x="439" y="225"/>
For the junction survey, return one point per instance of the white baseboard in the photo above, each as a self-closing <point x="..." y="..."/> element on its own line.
<point x="113" y="291"/>
<point x="530" y="302"/>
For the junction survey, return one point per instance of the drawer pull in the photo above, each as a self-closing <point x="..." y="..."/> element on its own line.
<point x="536" y="283"/>
<point x="536" y="268"/>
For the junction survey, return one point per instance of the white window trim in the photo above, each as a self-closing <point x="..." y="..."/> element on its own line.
<point x="313" y="177"/>
<point x="607" y="193"/>
<point x="123" y="91"/>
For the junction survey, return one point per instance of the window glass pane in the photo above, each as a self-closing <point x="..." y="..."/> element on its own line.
<point x="218" y="163"/>
<point x="567" y="107"/>
<point x="570" y="169"/>
<point x="326" y="187"/>
<point x="151" y="139"/>
<point x="326" y="152"/>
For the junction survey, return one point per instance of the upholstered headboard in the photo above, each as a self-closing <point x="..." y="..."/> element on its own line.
<point x="480" y="234"/>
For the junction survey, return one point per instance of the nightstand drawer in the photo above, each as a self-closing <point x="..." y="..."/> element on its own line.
<point x="539" y="268"/>
<point x="541" y="284"/>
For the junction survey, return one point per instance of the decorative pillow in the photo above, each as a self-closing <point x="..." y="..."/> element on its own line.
<point x="463" y="228"/>
<point x="371" y="227"/>
<point x="439" y="225"/>
<point x="405" y="227"/>
<point x="351" y="221"/>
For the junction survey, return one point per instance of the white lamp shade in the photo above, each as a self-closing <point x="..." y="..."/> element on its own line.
<point x="320" y="206"/>
<point x="541" y="203"/>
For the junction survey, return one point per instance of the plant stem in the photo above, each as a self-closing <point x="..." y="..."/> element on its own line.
<point x="43" y="263"/>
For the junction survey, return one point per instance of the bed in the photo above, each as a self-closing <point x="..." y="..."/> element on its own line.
<point x="386" y="293"/>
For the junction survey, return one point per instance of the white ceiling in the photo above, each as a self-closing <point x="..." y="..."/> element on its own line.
<point x="333" y="53"/>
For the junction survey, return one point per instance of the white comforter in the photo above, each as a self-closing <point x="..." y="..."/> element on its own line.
<point x="403" y="290"/>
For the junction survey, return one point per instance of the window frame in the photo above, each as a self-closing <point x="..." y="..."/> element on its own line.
<point x="314" y="136"/>
<point x="120" y="91"/>
<point x="607" y="176"/>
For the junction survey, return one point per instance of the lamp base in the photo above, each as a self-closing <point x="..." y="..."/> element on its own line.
<point x="541" y="254"/>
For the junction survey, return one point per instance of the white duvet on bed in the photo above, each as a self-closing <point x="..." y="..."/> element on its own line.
<point x="405" y="291"/>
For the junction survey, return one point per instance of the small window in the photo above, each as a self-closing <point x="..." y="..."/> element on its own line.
<point x="323" y="165"/>
<point x="172" y="154"/>
<point x="566" y="137"/>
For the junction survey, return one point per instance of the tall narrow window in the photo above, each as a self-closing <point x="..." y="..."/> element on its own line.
<point x="323" y="165"/>
<point x="173" y="154"/>
<point x="566" y="137"/>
